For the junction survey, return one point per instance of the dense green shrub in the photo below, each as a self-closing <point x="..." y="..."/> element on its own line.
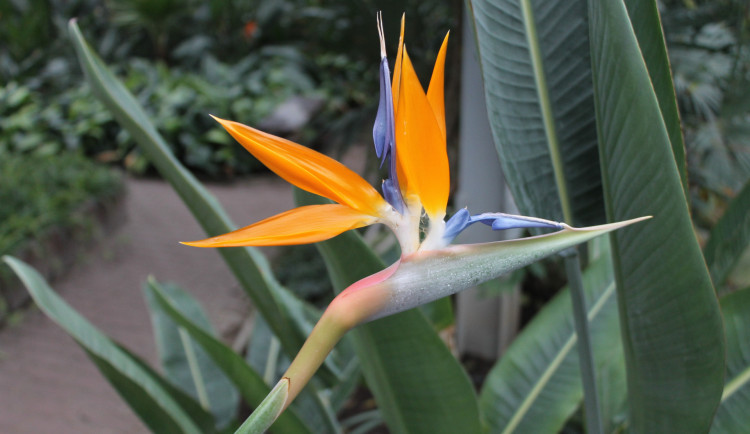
<point x="38" y="193"/>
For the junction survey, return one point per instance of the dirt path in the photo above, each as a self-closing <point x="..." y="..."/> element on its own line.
<point x="47" y="384"/>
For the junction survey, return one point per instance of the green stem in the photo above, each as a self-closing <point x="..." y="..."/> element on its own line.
<point x="585" y="353"/>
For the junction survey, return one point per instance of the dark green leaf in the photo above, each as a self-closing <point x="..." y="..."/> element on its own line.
<point x="537" y="77"/>
<point x="650" y="37"/>
<point x="669" y="315"/>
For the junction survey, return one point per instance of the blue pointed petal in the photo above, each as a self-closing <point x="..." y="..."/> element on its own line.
<point x="392" y="194"/>
<point x="383" y="134"/>
<point x="501" y="221"/>
<point x="457" y="223"/>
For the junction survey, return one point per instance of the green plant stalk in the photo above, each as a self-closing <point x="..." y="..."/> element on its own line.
<point x="347" y="310"/>
<point x="585" y="354"/>
<point x="195" y="370"/>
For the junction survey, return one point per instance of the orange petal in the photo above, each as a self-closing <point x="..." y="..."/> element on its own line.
<point x="436" y="92"/>
<point x="420" y="145"/>
<point x="303" y="225"/>
<point x="396" y="83"/>
<point x="308" y="169"/>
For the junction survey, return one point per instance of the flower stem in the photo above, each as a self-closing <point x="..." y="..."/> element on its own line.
<point x="585" y="353"/>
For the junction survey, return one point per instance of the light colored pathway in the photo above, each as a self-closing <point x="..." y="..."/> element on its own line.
<point x="47" y="384"/>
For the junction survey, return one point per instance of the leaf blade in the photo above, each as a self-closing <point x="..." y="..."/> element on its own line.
<point x="668" y="312"/>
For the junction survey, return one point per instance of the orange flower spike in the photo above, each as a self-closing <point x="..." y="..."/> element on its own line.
<point x="420" y="144"/>
<point x="396" y="83"/>
<point x="303" y="225"/>
<point x="308" y="169"/>
<point x="435" y="91"/>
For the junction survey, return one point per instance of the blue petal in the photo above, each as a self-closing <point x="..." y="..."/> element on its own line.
<point x="456" y="224"/>
<point x="383" y="132"/>
<point x="392" y="194"/>
<point x="501" y="221"/>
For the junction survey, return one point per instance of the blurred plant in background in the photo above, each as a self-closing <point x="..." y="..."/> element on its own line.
<point x="184" y="60"/>
<point x="710" y="53"/>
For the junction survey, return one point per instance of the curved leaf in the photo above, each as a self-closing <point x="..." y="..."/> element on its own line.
<point x="418" y="384"/>
<point x="536" y="385"/>
<point x="249" y="383"/>
<point x="654" y="49"/>
<point x="669" y="315"/>
<point x="729" y="237"/>
<point x="145" y="395"/>
<point x="537" y="77"/>
<point x="732" y="415"/>
<point x="249" y="266"/>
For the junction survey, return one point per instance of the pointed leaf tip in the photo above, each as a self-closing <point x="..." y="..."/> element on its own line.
<point x="268" y="411"/>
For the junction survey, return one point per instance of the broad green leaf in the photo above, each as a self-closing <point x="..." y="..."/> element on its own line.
<point x="669" y="314"/>
<point x="149" y="400"/>
<point x="183" y="361"/>
<point x="249" y="383"/>
<point x="729" y="237"/>
<point x="650" y="37"/>
<point x="535" y="63"/>
<point x="536" y="385"/>
<point x="732" y="415"/>
<point x="418" y="384"/>
<point x="268" y="410"/>
<point x="248" y="265"/>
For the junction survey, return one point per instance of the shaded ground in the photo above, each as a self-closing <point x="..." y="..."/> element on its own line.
<point x="47" y="384"/>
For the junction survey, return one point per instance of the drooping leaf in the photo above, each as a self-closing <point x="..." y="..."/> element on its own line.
<point x="536" y="385"/>
<point x="650" y="37"/>
<point x="156" y="407"/>
<point x="669" y="315"/>
<point x="535" y="63"/>
<point x="729" y="237"/>
<point x="418" y="384"/>
<point x="732" y="415"/>
<point x="249" y="383"/>
<point x="248" y="265"/>
<point x="184" y="362"/>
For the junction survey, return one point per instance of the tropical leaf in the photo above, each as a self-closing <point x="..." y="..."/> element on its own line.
<point x="248" y="265"/>
<point x="729" y="237"/>
<point x="732" y="415"/>
<point x="152" y="402"/>
<point x="650" y="37"/>
<point x="418" y="384"/>
<point x="249" y="383"/>
<point x="536" y="386"/>
<point x="184" y="362"/>
<point x="669" y="314"/>
<point x="537" y="76"/>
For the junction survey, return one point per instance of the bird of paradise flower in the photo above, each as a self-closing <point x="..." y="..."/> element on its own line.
<point x="410" y="133"/>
